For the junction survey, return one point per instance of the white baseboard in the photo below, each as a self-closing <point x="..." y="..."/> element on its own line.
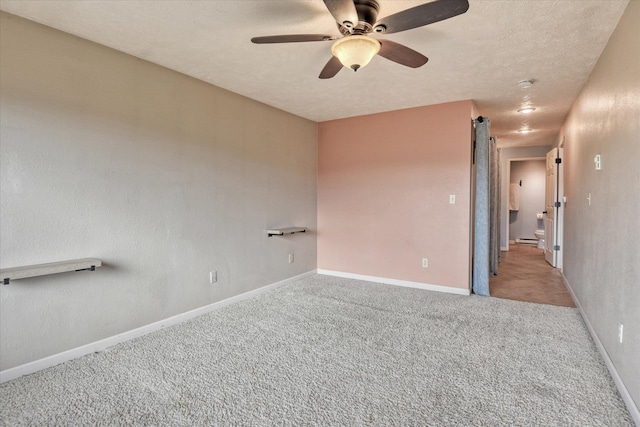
<point x="396" y="282"/>
<point x="504" y="248"/>
<point x="74" y="353"/>
<point x="622" y="389"/>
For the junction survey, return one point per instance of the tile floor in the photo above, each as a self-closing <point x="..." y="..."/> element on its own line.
<point x="524" y="275"/>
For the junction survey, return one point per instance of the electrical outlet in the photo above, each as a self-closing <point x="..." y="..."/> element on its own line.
<point x="620" y="332"/>
<point x="452" y="199"/>
<point x="213" y="277"/>
<point x="425" y="262"/>
<point x="290" y="258"/>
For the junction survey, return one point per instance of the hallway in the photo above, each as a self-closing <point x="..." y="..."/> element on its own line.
<point x="524" y="275"/>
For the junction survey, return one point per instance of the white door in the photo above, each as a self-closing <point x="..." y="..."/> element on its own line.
<point x="551" y="208"/>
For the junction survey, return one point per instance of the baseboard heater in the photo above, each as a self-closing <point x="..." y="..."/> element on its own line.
<point x="526" y="241"/>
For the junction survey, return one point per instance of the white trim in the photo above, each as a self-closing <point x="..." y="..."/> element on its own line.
<point x="622" y="389"/>
<point x="74" y="353"/>
<point x="396" y="282"/>
<point x="504" y="248"/>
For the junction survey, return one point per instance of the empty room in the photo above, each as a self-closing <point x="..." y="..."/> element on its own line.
<point x="320" y="212"/>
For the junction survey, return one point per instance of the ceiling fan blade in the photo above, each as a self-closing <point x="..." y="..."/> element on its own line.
<point x="401" y="54"/>
<point x="292" y="38"/>
<point x="331" y="69"/>
<point x="343" y="11"/>
<point x="424" y="14"/>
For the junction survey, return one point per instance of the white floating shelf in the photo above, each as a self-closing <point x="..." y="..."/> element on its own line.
<point x="8" y="274"/>
<point x="283" y="231"/>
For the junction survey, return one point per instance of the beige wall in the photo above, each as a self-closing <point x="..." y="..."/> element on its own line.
<point x="384" y="182"/>
<point x="160" y="175"/>
<point x="602" y="241"/>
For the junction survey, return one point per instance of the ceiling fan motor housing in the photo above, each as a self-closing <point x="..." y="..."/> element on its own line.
<point x="367" y="15"/>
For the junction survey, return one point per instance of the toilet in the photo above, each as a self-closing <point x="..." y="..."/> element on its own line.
<point x="540" y="236"/>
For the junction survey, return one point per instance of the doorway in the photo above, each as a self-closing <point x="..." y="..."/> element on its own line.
<point x="525" y="180"/>
<point x="526" y="202"/>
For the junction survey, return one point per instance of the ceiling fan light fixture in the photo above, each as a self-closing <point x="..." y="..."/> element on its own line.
<point x="356" y="51"/>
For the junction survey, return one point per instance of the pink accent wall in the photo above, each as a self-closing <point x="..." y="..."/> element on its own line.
<point x="384" y="182"/>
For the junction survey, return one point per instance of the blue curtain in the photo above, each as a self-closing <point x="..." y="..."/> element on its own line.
<point x="494" y="206"/>
<point x="482" y="211"/>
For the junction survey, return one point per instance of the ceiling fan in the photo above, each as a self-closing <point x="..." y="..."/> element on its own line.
<point x="356" y="19"/>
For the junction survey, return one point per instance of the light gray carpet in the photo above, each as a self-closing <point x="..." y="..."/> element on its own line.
<point x="329" y="351"/>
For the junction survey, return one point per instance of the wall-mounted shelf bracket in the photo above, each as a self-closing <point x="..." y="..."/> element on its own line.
<point x="15" y="273"/>
<point x="283" y="231"/>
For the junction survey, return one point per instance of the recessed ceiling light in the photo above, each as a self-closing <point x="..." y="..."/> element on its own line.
<point x="524" y="130"/>
<point x="526" y="110"/>
<point x="524" y="84"/>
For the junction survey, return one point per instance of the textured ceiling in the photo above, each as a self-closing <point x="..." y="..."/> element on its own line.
<point x="480" y="55"/>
